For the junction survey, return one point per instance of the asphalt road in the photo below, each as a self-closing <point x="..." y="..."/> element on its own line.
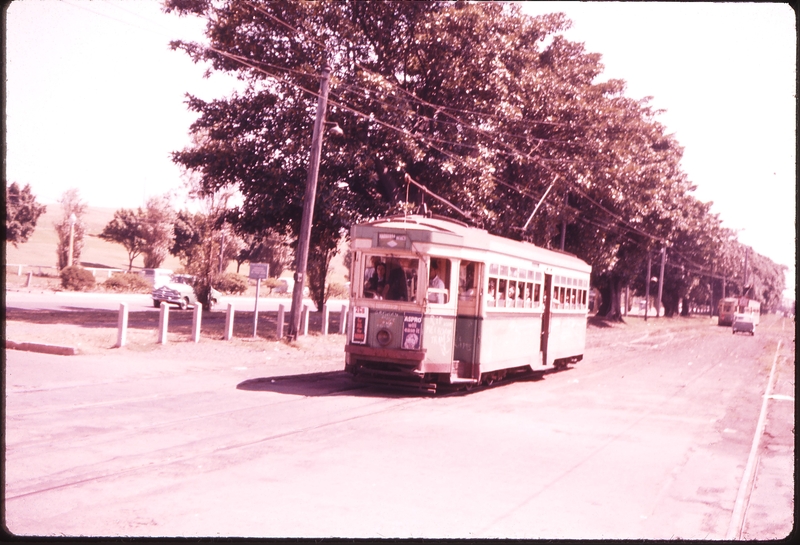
<point x="649" y="437"/>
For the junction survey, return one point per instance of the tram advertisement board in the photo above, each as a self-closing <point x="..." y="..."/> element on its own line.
<point x="412" y="330"/>
<point x="360" y="315"/>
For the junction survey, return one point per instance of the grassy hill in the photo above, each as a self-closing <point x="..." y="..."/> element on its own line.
<point x="40" y="250"/>
<point x="41" y="247"/>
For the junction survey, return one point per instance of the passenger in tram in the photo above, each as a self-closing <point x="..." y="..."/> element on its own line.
<point x="492" y="295"/>
<point x="398" y="288"/>
<point x="436" y="282"/>
<point x="378" y="283"/>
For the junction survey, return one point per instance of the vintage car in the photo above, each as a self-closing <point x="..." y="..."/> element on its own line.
<point x="179" y="291"/>
<point x="744" y="323"/>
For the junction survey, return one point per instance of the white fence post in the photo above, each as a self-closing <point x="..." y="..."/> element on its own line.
<point x="280" y="321"/>
<point x="304" y="325"/>
<point x="343" y="320"/>
<point x="196" y="318"/>
<point x="163" y="321"/>
<point x="122" y="325"/>
<point x="229" y="323"/>
<point x="325" y="319"/>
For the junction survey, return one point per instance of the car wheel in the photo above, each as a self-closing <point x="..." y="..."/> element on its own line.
<point x="212" y="304"/>
<point x="184" y="303"/>
<point x="156" y="303"/>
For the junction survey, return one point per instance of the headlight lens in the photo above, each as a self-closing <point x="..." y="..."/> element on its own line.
<point x="384" y="337"/>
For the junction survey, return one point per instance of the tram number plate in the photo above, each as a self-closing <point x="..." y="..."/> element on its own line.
<point x="360" y="315"/>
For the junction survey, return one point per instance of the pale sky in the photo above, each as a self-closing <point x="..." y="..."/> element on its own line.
<point x="94" y="99"/>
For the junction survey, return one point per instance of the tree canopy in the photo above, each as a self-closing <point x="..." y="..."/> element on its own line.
<point x="493" y="110"/>
<point x="22" y="213"/>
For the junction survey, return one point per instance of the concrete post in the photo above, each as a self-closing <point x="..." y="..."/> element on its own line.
<point x="304" y="327"/>
<point x="280" y="322"/>
<point x="343" y="320"/>
<point x="196" y="319"/>
<point x="163" y="321"/>
<point x="229" y="323"/>
<point x="324" y="319"/>
<point x="122" y="325"/>
<point x="28" y="281"/>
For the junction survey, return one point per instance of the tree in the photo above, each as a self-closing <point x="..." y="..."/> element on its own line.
<point x="157" y="230"/>
<point x="22" y="213"/>
<point x="482" y="105"/>
<point x="270" y="248"/>
<point x="126" y="229"/>
<point x="70" y="204"/>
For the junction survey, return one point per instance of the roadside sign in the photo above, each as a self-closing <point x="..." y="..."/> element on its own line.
<point x="259" y="271"/>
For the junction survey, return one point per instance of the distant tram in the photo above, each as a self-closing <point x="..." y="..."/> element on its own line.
<point x="435" y="303"/>
<point x="731" y="306"/>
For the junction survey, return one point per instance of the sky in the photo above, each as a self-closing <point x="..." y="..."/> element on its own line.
<point x="95" y="99"/>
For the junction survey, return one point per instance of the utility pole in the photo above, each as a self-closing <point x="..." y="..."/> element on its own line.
<point x="304" y="240"/>
<point x="647" y="285"/>
<point x="661" y="280"/>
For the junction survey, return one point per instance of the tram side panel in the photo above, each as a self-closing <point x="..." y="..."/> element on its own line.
<point x="509" y="340"/>
<point x="567" y="336"/>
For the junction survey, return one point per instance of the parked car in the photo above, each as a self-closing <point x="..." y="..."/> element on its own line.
<point x="179" y="291"/>
<point x="743" y="323"/>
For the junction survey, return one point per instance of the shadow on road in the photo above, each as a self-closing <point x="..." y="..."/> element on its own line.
<point x="341" y="383"/>
<point x="318" y="384"/>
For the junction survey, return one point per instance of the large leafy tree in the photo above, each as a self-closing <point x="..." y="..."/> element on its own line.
<point x="22" y="213"/>
<point x="484" y="106"/>
<point x="125" y="228"/>
<point x="157" y="230"/>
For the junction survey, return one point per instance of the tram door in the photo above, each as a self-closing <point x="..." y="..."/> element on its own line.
<point x="468" y="334"/>
<point x="546" y="298"/>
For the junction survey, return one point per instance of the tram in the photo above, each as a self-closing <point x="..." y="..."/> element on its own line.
<point x="436" y="303"/>
<point x="730" y="306"/>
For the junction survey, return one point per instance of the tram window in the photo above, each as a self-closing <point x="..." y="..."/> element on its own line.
<point x="439" y="281"/>
<point x="528" y="290"/>
<point x="491" y="296"/>
<point x="501" y="292"/>
<point x="561" y="293"/>
<point x="466" y="281"/>
<point x="574" y="298"/>
<point x="390" y="277"/>
<point x="537" y="294"/>
<point x="583" y="298"/>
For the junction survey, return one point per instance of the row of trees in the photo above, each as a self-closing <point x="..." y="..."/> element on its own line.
<point x="203" y="241"/>
<point x="485" y="106"/>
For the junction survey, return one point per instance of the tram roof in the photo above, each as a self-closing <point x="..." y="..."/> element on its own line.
<point x="450" y="232"/>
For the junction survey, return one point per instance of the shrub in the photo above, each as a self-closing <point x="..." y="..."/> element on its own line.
<point x="232" y="283"/>
<point x="76" y="278"/>
<point x="128" y="283"/>
<point x="338" y="291"/>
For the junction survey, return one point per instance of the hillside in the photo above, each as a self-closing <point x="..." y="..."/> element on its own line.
<point x="40" y="250"/>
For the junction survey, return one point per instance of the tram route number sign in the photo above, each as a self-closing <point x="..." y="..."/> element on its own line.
<point x="360" y="315"/>
<point x="259" y="271"/>
<point x="412" y="330"/>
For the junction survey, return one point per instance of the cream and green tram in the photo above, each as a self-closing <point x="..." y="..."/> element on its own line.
<point x="434" y="302"/>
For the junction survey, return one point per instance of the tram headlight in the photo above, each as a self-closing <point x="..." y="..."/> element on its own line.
<point x="383" y="337"/>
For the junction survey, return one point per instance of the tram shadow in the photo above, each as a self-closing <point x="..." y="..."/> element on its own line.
<point x="330" y="383"/>
<point x="333" y="383"/>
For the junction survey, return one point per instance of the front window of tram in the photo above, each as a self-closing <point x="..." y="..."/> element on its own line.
<point x="390" y="277"/>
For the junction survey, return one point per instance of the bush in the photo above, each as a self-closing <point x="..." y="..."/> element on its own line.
<point x="76" y="278"/>
<point x="338" y="291"/>
<point x="232" y="283"/>
<point x="128" y="283"/>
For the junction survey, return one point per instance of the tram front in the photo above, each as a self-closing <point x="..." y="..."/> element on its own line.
<point x="394" y="285"/>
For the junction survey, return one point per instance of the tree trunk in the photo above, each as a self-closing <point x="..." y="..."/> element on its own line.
<point x="610" y="307"/>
